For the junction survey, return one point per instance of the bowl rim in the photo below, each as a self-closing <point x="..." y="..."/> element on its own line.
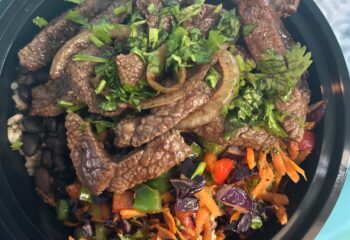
<point x="25" y="8"/>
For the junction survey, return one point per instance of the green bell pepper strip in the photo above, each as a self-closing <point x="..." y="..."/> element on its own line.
<point x="147" y="199"/>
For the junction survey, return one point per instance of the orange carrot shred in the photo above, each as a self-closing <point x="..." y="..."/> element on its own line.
<point x="275" y="198"/>
<point x="235" y="216"/>
<point x="302" y="156"/>
<point x="291" y="172"/>
<point x="131" y="213"/>
<point x="169" y="220"/>
<point x="293" y="149"/>
<point x="207" y="200"/>
<point x="122" y="201"/>
<point x="262" y="160"/>
<point x="278" y="163"/>
<point x="266" y="178"/>
<point x="202" y="216"/>
<point x="207" y="229"/>
<point x="210" y="159"/>
<point x="281" y="214"/>
<point x="164" y="233"/>
<point x="250" y="158"/>
<point x="298" y="169"/>
<point x="73" y="191"/>
<point x="277" y="181"/>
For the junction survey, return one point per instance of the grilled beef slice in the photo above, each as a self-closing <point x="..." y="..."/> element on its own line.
<point x="205" y="20"/>
<point x="156" y="158"/>
<point x="285" y="8"/>
<point x="243" y="137"/>
<point x="270" y="33"/>
<point x="131" y="68"/>
<point x="93" y="165"/>
<point x="43" y="47"/>
<point x="140" y="130"/>
<point x="97" y="171"/>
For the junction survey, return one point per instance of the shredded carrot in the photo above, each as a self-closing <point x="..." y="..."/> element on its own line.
<point x="275" y="198"/>
<point x="207" y="200"/>
<point x="266" y="178"/>
<point x="131" y="213"/>
<point x="165" y="233"/>
<point x="291" y="172"/>
<point x="220" y="235"/>
<point x="302" y="156"/>
<point x="278" y="163"/>
<point x="186" y="220"/>
<point x="277" y="181"/>
<point x="210" y="159"/>
<point x="281" y="214"/>
<point x="298" y="169"/>
<point x="207" y="230"/>
<point x="166" y="197"/>
<point x="262" y="159"/>
<point x="250" y="158"/>
<point x="293" y="149"/>
<point x="235" y="216"/>
<point x="122" y="201"/>
<point x="73" y="191"/>
<point x="169" y="219"/>
<point x="202" y="216"/>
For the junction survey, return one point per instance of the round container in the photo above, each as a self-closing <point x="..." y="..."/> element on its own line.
<point x="23" y="215"/>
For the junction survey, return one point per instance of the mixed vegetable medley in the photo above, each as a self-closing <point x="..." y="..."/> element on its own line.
<point x="165" y="119"/>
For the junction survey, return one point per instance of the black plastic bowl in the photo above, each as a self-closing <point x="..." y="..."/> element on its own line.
<point x="23" y="215"/>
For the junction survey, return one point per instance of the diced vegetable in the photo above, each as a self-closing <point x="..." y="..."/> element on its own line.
<point x="160" y="183"/>
<point x="210" y="159"/>
<point x="147" y="199"/>
<point x="200" y="170"/>
<point x="235" y="216"/>
<point x="62" y="209"/>
<point x="164" y="233"/>
<point x="207" y="230"/>
<point x="222" y="169"/>
<point x="250" y="158"/>
<point x="186" y="188"/>
<point x="239" y="173"/>
<point x="256" y="223"/>
<point x="186" y="221"/>
<point x="207" y="200"/>
<point x="202" y="216"/>
<point x="235" y="197"/>
<point x="196" y="149"/>
<point x="293" y="150"/>
<point x="266" y="176"/>
<point x="281" y="214"/>
<point x="186" y="204"/>
<point x="85" y="195"/>
<point x="308" y="141"/>
<point x="210" y="147"/>
<point x="278" y="162"/>
<point x="131" y="213"/>
<point x="122" y="201"/>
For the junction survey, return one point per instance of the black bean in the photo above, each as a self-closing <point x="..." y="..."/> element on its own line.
<point x="46" y="158"/>
<point x="50" y="125"/>
<point x="43" y="180"/>
<point x="31" y="143"/>
<point x="58" y="161"/>
<point x="56" y="145"/>
<point x="25" y="93"/>
<point x="32" y="124"/>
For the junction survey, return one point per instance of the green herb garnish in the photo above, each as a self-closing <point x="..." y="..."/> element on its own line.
<point x="17" y="145"/>
<point x="40" y="21"/>
<point x="75" y="16"/>
<point x="88" y="58"/>
<point x="212" y="78"/>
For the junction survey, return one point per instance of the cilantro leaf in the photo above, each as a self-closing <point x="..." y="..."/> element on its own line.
<point x="17" y="145"/>
<point x="188" y="12"/>
<point x="256" y="223"/>
<point x="74" y="1"/>
<point x="88" y="58"/>
<point x="40" y="21"/>
<point x="75" y="16"/>
<point x="271" y="122"/>
<point x="212" y="78"/>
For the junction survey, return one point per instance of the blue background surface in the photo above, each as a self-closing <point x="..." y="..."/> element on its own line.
<point x="337" y="13"/>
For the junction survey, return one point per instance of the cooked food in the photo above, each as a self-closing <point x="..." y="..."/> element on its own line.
<point x="157" y="119"/>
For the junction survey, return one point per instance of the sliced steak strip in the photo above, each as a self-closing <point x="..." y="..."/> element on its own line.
<point x="93" y="165"/>
<point x="140" y="130"/>
<point x="285" y="8"/>
<point x="296" y="107"/>
<point x="45" y="97"/>
<point x="267" y="27"/>
<point x="81" y="75"/>
<point x="131" y="69"/>
<point x="243" y="137"/>
<point x="43" y="47"/>
<point x="97" y="171"/>
<point x="156" y="158"/>
<point x="152" y="17"/>
<point x="204" y="21"/>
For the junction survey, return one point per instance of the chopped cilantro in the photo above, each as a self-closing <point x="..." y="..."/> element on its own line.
<point x="153" y="36"/>
<point x="16" y="145"/>
<point x="212" y="78"/>
<point x="119" y="10"/>
<point x="188" y="12"/>
<point x="218" y="8"/>
<point x="256" y="223"/>
<point x="88" y="58"/>
<point x="102" y="125"/>
<point x="40" y="21"/>
<point x="75" y="16"/>
<point x="71" y="107"/>
<point x="152" y="8"/>
<point x="74" y="1"/>
<point x="229" y="25"/>
<point x="100" y="86"/>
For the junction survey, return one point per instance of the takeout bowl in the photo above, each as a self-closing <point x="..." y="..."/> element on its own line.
<point x="23" y="215"/>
